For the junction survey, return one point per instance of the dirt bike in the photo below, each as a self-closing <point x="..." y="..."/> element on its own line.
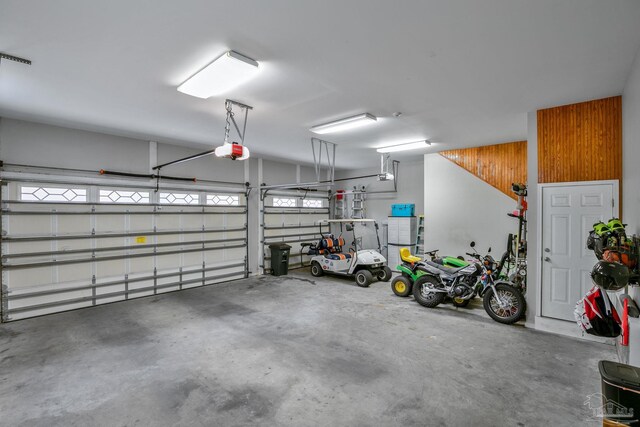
<point x="503" y="302"/>
<point x="451" y="277"/>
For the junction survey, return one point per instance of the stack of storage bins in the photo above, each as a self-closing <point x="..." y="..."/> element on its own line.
<point x="401" y="232"/>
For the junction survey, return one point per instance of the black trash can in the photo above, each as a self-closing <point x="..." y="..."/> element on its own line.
<point x="279" y="258"/>
<point x="621" y="392"/>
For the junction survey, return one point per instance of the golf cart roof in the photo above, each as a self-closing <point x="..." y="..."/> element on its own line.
<point x="348" y="220"/>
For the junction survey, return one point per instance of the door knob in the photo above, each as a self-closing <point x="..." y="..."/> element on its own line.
<point x="547" y="259"/>
<point x="547" y="250"/>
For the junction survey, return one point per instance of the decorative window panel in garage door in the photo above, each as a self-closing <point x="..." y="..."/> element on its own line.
<point x="71" y="246"/>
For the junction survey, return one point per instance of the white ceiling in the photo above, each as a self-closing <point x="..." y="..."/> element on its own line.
<point x="462" y="72"/>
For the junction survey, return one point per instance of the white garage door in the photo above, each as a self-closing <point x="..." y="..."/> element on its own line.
<point x="68" y="246"/>
<point x="292" y="219"/>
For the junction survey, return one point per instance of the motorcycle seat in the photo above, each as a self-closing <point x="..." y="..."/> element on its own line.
<point x="446" y="269"/>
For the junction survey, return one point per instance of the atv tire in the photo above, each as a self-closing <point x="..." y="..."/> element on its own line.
<point x="422" y="294"/>
<point x="459" y="302"/>
<point x="401" y="286"/>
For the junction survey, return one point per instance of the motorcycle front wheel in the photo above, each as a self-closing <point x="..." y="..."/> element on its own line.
<point x="423" y="293"/>
<point x="513" y="304"/>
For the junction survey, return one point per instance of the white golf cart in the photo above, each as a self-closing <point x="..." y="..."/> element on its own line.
<point x="364" y="265"/>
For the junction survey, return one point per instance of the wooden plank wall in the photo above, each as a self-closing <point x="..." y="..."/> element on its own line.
<point x="581" y="142"/>
<point x="498" y="165"/>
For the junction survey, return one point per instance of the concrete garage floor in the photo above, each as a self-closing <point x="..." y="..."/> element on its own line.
<point x="289" y="351"/>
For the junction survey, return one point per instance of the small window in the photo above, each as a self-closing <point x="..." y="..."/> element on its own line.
<point x="284" y="202"/>
<point x="53" y="194"/>
<point x="223" y="200"/>
<point x="312" y="203"/>
<point x="124" y="196"/>
<point x="179" y="198"/>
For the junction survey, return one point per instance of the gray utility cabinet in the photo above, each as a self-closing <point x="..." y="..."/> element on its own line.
<point x="402" y="232"/>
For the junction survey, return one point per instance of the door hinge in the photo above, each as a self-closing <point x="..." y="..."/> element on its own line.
<point x="613" y="203"/>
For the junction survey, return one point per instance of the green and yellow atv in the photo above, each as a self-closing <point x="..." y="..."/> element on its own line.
<point x="410" y="272"/>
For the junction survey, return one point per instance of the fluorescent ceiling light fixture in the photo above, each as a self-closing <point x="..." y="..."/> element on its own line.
<point x="403" y="147"/>
<point x="345" y="124"/>
<point x="228" y="71"/>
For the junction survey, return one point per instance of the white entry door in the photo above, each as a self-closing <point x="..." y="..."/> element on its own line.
<point x="568" y="214"/>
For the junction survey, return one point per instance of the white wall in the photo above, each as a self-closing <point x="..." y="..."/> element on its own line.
<point x="459" y="208"/>
<point x="38" y="144"/>
<point x="277" y="172"/>
<point x="378" y="206"/>
<point x="631" y="149"/>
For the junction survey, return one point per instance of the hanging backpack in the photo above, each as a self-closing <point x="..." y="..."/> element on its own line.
<point x="596" y="316"/>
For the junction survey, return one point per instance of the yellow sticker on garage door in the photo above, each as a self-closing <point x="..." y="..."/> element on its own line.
<point x="141" y="239"/>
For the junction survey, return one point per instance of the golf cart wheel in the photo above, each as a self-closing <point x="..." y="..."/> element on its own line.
<point x="384" y="275"/>
<point x="461" y="302"/>
<point x="401" y="286"/>
<point x="316" y="269"/>
<point x="423" y="293"/>
<point x="513" y="301"/>
<point x="364" y="278"/>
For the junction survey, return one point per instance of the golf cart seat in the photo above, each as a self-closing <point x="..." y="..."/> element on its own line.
<point x="329" y="246"/>
<point x="331" y="243"/>
<point x="339" y="256"/>
<point x="333" y="247"/>
<point x="321" y="247"/>
<point x="405" y="255"/>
